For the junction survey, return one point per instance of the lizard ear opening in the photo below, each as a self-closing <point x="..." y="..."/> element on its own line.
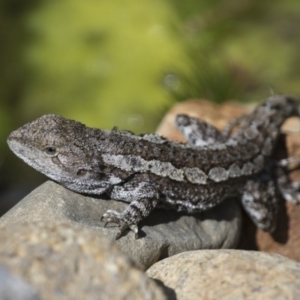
<point x="51" y="151"/>
<point x="81" y="172"/>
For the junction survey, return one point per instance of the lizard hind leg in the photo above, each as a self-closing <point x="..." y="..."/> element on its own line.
<point x="143" y="200"/>
<point x="261" y="200"/>
<point x="198" y="132"/>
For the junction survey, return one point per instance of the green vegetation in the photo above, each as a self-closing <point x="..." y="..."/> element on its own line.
<point x="124" y="62"/>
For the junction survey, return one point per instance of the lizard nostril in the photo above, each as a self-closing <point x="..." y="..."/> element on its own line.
<point x="14" y="135"/>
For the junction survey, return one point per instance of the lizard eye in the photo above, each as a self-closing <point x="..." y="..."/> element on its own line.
<point x="50" y="151"/>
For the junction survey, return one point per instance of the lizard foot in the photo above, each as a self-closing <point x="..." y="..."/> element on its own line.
<point x="117" y="218"/>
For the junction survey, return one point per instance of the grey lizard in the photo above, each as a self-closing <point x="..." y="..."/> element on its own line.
<point x="149" y="171"/>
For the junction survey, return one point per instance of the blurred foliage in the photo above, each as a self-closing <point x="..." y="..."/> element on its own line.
<point x="101" y="61"/>
<point x="124" y="62"/>
<point x="241" y="50"/>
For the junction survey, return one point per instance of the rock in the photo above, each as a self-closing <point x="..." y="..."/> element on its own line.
<point x="13" y="288"/>
<point x="228" y="274"/>
<point x="163" y="233"/>
<point x="63" y="261"/>
<point x="286" y="239"/>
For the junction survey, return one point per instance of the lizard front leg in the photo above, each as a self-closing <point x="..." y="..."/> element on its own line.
<point x="143" y="198"/>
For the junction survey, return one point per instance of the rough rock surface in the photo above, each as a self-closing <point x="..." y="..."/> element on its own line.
<point x="228" y="274"/>
<point x="14" y="288"/>
<point x="64" y="262"/>
<point x="286" y="239"/>
<point x="163" y="233"/>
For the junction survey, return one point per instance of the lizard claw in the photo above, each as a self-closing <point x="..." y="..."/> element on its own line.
<point x="112" y="216"/>
<point x="102" y="220"/>
<point x="132" y="227"/>
<point x="135" y="229"/>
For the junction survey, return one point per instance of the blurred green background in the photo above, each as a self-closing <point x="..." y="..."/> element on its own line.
<point x="124" y="63"/>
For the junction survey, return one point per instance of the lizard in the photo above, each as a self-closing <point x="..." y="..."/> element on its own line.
<point x="148" y="171"/>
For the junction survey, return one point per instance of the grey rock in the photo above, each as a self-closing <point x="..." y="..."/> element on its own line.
<point x="163" y="233"/>
<point x="65" y="262"/>
<point x="228" y="274"/>
<point x="14" y="288"/>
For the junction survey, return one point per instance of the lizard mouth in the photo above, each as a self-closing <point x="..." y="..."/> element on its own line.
<point x="89" y="189"/>
<point x="27" y="153"/>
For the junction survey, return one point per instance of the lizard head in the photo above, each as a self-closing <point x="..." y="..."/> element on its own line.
<point x="63" y="150"/>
